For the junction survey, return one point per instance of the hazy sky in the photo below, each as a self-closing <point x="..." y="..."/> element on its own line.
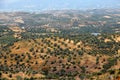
<point x="57" y="4"/>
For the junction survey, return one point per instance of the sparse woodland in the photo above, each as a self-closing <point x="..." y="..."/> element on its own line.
<point x="40" y="53"/>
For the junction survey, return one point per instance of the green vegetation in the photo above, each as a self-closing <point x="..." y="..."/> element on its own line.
<point x="48" y="46"/>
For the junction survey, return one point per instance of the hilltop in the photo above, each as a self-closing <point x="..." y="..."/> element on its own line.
<point x="55" y="57"/>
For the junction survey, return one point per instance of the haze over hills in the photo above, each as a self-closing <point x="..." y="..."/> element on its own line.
<point x="35" y="5"/>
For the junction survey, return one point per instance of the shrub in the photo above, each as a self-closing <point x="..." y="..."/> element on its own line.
<point x="19" y="78"/>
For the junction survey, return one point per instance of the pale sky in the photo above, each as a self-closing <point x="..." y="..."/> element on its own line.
<point x="57" y="4"/>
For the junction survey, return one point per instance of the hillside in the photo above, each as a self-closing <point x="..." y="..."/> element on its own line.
<point x="55" y="57"/>
<point x="60" y="45"/>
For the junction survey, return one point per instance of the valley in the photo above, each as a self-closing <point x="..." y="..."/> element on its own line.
<point x="60" y="45"/>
